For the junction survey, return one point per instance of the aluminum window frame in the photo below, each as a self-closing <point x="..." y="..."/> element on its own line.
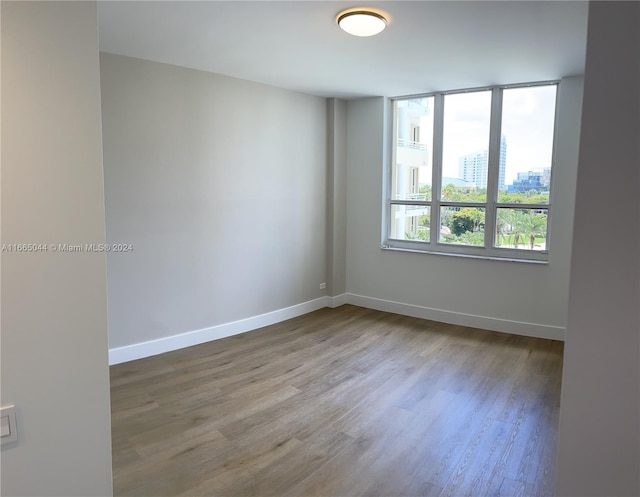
<point x="489" y="250"/>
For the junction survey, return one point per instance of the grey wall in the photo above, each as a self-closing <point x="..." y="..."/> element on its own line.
<point x="54" y="343"/>
<point x="54" y="316"/>
<point x="505" y="296"/>
<point x="599" y="440"/>
<point x="220" y="186"/>
<point x="336" y="197"/>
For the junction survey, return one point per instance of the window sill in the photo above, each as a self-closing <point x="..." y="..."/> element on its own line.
<point x="466" y="256"/>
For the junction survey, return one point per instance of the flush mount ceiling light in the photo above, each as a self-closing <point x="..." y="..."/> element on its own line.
<point x="362" y="21"/>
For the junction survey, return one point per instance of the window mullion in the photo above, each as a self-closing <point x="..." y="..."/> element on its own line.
<point x="436" y="175"/>
<point x="390" y="171"/>
<point x="475" y="128"/>
<point x="493" y="173"/>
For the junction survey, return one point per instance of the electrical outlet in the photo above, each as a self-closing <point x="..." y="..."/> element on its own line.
<point x="323" y="286"/>
<point x="9" y="433"/>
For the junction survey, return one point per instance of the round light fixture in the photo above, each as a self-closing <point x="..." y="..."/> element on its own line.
<point x="361" y="22"/>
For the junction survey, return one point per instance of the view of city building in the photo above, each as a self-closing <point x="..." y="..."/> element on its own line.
<point x="538" y="180"/>
<point x="474" y="167"/>
<point x="524" y="173"/>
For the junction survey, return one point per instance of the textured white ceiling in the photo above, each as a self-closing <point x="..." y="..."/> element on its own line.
<point x="297" y="45"/>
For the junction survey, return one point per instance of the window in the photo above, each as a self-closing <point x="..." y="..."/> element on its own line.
<point x="477" y="166"/>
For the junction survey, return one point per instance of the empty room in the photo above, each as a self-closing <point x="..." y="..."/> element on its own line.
<point x="310" y="248"/>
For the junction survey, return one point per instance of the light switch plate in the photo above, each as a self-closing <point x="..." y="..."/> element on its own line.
<point x="8" y="428"/>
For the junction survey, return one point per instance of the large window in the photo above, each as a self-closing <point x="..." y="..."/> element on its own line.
<point x="471" y="172"/>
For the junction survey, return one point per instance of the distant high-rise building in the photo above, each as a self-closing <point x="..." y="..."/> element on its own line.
<point x="503" y="163"/>
<point x="536" y="180"/>
<point x="473" y="167"/>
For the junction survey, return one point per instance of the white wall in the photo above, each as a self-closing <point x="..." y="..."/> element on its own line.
<point x="503" y="296"/>
<point x="54" y="316"/>
<point x="220" y="186"/>
<point x="599" y="439"/>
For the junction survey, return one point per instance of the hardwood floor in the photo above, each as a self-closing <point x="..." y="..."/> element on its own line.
<point x="341" y="402"/>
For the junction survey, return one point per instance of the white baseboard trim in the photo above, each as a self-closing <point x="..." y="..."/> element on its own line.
<point x="337" y="301"/>
<point x="154" y="347"/>
<point x="473" y="321"/>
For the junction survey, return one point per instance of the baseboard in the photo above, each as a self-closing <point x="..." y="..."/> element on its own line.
<point x="337" y="301"/>
<point x="154" y="347"/>
<point x="473" y="321"/>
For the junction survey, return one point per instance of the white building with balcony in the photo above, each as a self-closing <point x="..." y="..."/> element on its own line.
<point x="413" y="165"/>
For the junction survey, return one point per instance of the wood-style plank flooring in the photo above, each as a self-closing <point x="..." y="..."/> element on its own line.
<point x="341" y="402"/>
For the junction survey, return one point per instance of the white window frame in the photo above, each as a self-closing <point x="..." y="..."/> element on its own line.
<point x="434" y="246"/>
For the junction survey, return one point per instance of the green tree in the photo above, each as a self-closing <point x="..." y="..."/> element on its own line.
<point x="521" y="225"/>
<point x="466" y="219"/>
<point x="426" y="191"/>
<point x="534" y="225"/>
<point x="424" y="227"/>
<point x="511" y="198"/>
<point x="511" y="224"/>
<point x="449" y="192"/>
<point x="471" y="238"/>
<point x="476" y="195"/>
<point x="453" y="193"/>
